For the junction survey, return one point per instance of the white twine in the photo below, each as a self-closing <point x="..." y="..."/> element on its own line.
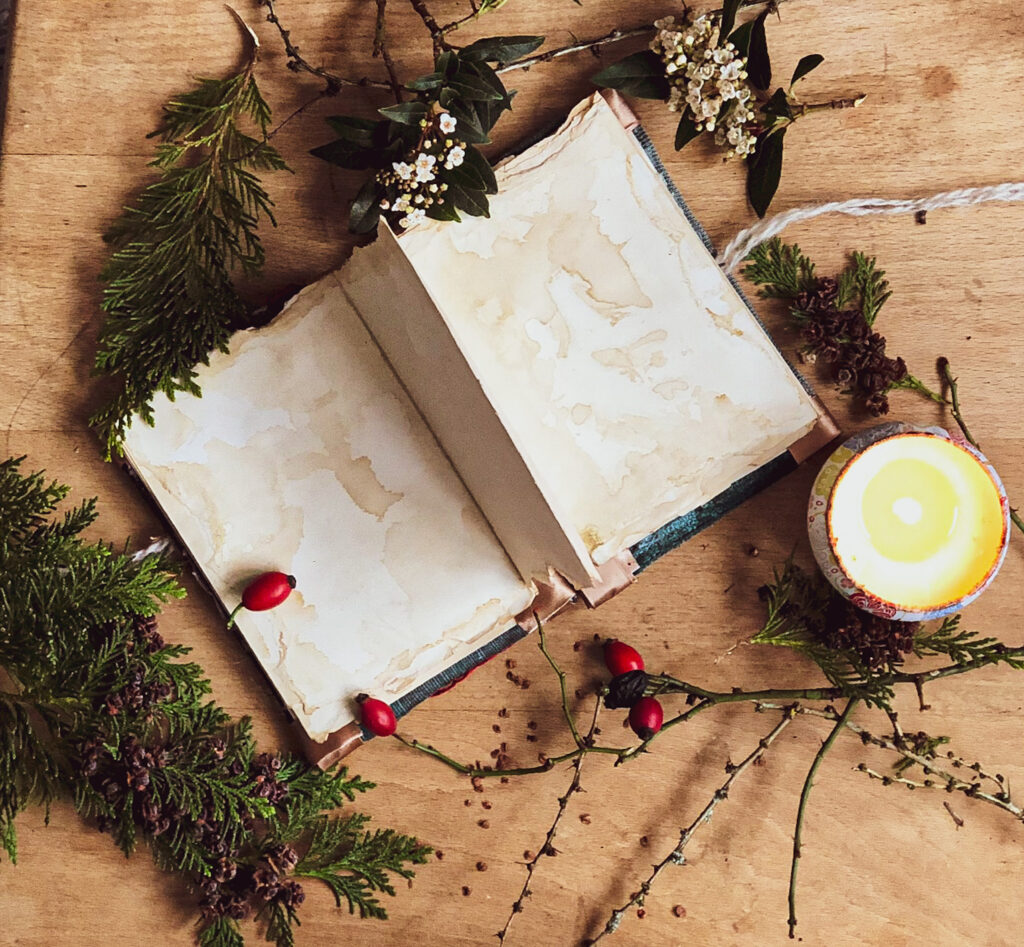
<point x="154" y="548"/>
<point x="746" y="240"/>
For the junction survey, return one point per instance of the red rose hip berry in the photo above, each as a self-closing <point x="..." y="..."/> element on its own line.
<point x="619" y="657"/>
<point x="646" y="717"/>
<point x="377" y="716"/>
<point x="264" y="592"/>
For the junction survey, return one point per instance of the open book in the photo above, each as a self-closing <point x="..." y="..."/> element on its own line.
<point x="474" y="424"/>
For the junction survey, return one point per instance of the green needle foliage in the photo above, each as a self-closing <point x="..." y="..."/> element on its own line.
<point x="169" y="298"/>
<point x="96" y="708"/>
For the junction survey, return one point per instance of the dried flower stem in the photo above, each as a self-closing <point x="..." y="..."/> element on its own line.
<point x="950" y="380"/>
<point x="805" y="795"/>
<point x="849" y="102"/>
<point x="676" y="856"/>
<point x="547" y="848"/>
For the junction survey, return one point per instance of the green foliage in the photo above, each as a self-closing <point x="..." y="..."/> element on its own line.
<point x="863" y="284"/>
<point x="963" y="646"/>
<point x="807" y="64"/>
<point x="169" y="299"/>
<point x="797" y="603"/>
<point x="779" y="270"/>
<point x="355" y="863"/>
<point x="462" y="85"/>
<point x="642" y="75"/>
<point x="764" y="170"/>
<point x="95" y="707"/>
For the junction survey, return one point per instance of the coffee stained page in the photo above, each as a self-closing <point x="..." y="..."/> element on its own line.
<point x="631" y="371"/>
<point x="305" y="455"/>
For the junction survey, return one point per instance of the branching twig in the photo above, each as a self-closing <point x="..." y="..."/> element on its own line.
<point x="805" y="795"/>
<point x="548" y="848"/>
<point x="950" y="380"/>
<point x="614" y="36"/>
<point x="676" y="856"/>
<point x="333" y="83"/>
<point x="381" y="51"/>
<point x="566" y="712"/>
<point x="436" y="30"/>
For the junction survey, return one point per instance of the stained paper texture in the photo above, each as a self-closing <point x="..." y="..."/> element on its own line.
<point x="305" y="455"/>
<point x="590" y="324"/>
<point x="630" y="372"/>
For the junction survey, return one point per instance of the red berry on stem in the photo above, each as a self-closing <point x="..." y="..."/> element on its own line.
<point x="377" y="716"/>
<point x="619" y="657"/>
<point x="264" y="592"/>
<point x="646" y="717"/>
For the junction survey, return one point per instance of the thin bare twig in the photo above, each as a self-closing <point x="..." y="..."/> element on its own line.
<point x="676" y="856"/>
<point x="548" y="848"/>
<point x="435" y="28"/>
<point x="381" y="51"/>
<point x="950" y="380"/>
<point x="333" y="84"/>
<point x="805" y="795"/>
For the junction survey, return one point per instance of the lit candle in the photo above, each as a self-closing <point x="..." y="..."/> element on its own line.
<point x="908" y="523"/>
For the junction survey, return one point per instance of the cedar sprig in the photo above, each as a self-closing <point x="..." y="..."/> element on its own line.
<point x="963" y="646"/>
<point x="96" y="708"/>
<point x="836" y="319"/>
<point x="169" y="298"/>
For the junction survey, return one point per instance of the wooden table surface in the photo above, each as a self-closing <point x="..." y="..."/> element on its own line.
<point x="881" y="865"/>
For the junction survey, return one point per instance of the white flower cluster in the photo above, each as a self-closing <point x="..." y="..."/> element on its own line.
<point x="708" y="80"/>
<point x="411" y="186"/>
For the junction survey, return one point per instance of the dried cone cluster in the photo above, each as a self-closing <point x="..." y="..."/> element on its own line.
<point x="877" y="641"/>
<point x="844" y="339"/>
<point x="124" y="776"/>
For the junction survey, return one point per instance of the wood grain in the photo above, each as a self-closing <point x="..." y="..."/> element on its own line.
<point x="881" y="865"/>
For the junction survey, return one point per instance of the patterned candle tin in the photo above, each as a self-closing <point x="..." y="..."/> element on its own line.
<point x="820" y="527"/>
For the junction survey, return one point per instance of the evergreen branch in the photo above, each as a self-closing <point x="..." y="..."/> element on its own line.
<point x="779" y="270"/>
<point x="869" y="284"/>
<point x="677" y="856"/>
<point x="96" y="707"/>
<point x="805" y="795"/>
<point x="169" y="299"/>
<point x="223" y="932"/>
<point x="548" y="849"/>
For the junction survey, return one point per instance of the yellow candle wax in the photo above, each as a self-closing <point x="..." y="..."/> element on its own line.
<point x="916" y="520"/>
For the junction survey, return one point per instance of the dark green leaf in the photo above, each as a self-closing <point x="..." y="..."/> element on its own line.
<point x="641" y="74"/>
<point x="765" y="171"/>
<point x="359" y="131"/>
<point x="729" y="11"/>
<point x="778" y="105"/>
<point x="424" y="83"/>
<point x="471" y="201"/>
<point x="447" y="63"/>
<point x="445" y="211"/>
<point x="741" y="37"/>
<point x="759" y="66"/>
<point x="408" y="113"/>
<point x="365" y="210"/>
<point x="500" y="48"/>
<point x="686" y="131"/>
<point x="469" y="128"/>
<point x="346" y="155"/>
<point x="476" y="162"/>
<point x="805" y="66"/>
<point x="472" y="88"/>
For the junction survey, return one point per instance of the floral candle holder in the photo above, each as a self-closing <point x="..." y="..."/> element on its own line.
<point x="908" y="523"/>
